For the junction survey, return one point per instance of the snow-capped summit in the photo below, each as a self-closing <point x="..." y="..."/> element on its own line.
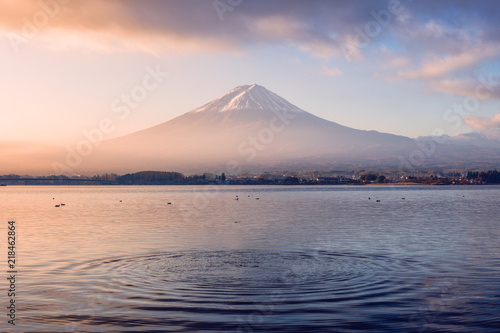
<point x="248" y="97"/>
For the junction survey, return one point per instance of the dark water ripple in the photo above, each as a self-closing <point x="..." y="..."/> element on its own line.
<point x="262" y="290"/>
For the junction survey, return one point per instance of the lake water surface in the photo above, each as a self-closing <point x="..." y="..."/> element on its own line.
<point x="298" y="259"/>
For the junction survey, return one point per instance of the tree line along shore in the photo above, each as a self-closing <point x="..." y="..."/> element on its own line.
<point x="354" y="177"/>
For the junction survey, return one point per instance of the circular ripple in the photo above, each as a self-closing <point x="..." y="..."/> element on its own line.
<point x="251" y="290"/>
<point x="247" y="272"/>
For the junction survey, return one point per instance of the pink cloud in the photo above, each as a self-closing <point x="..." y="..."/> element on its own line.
<point x="435" y="66"/>
<point x="330" y="72"/>
<point x="484" y="124"/>
<point x="467" y="87"/>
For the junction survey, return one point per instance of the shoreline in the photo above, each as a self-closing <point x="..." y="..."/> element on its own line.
<point x="280" y="185"/>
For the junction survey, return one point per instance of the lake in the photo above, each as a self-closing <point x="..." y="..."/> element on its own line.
<point x="277" y="259"/>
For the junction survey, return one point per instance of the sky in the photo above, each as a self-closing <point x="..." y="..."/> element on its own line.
<point x="413" y="68"/>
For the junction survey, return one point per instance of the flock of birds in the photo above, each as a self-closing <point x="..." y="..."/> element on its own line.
<point x="237" y="198"/>
<point x="60" y="205"/>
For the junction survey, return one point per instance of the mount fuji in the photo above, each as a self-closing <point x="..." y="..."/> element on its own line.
<point x="248" y="126"/>
<point x="252" y="129"/>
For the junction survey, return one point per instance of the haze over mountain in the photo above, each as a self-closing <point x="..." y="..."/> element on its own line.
<point x="251" y="128"/>
<point x="473" y="139"/>
<point x="249" y="125"/>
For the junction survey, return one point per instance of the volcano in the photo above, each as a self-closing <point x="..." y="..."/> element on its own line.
<point x="248" y="126"/>
<point x="252" y="129"/>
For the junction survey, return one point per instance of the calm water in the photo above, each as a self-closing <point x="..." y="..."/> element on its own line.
<point x="299" y="259"/>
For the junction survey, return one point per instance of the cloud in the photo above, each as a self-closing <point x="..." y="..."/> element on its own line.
<point x="179" y="26"/>
<point x="318" y="26"/>
<point x="483" y="123"/>
<point x="437" y="66"/>
<point x="474" y="88"/>
<point x="110" y="26"/>
<point x="330" y="72"/>
<point x="396" y="62"/>
<point x="432" y="38"/>
<point x="454" y="87"/>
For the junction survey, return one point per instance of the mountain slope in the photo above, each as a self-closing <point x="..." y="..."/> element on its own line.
<point x="251" y="125"/>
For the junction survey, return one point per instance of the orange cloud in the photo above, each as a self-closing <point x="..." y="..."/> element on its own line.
<point x="97" y="25"/>
<point x="165" y="26"/>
